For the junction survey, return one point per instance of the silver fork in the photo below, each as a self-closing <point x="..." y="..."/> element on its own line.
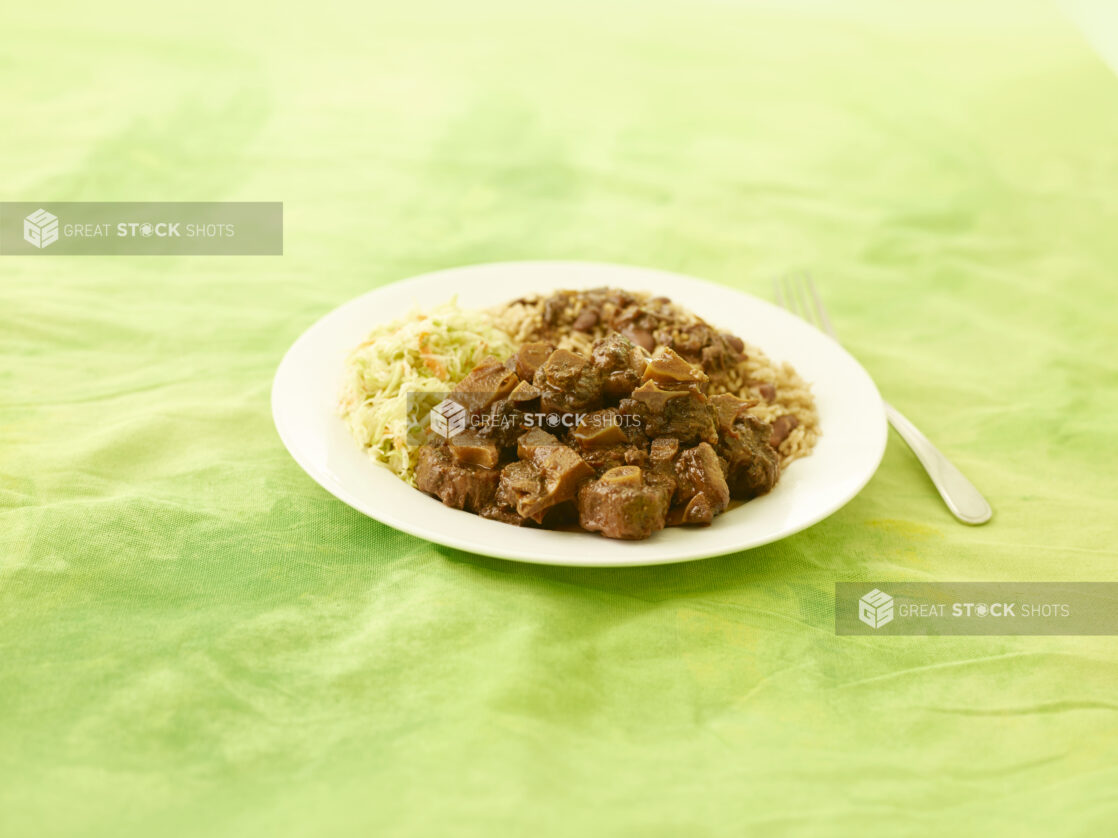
<point x="962" y="498"/>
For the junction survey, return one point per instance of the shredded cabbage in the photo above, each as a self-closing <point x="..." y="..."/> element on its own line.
<point x="422" y="353"/>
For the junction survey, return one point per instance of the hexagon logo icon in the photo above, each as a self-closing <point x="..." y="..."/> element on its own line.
<point x="40" y="228"/>
<point x="448" y="419"/>
<point x="875" y="609"/>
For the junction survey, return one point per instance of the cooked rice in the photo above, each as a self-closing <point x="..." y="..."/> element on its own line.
<point x="524" y="321"/>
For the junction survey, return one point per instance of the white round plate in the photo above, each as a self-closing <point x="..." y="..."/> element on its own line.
<point x="852" y="418"/>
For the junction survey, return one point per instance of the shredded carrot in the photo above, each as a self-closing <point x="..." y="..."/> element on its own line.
<point x="432" y="361"/>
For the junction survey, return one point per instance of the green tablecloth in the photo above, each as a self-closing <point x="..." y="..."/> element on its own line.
<point x="195" y="639"/>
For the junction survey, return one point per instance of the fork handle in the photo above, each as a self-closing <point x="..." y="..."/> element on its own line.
<point x="962" y="498"/>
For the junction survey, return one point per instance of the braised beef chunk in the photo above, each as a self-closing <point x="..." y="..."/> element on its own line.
<point x="462" y="486"/>
<point x="714" y="357"/>
<point x="598" y="429"/>
<point x="567" y="383"/>
<point x="637" y="323"/>
<point x="561" y="515"/>
<point x="686" y="415"/>
<point x="471" y="449"/>
<point x="661" y="460"/>
<point x="697" y="511"/>
<point x="530" y="357"/>
<point x="653" y="398"/>
<point x="495" y="511"/>
<point x="529" y="441"/>
<point x="782" y="426"/>
<point x="698" y="472"/>
<point x="728" y="408"/>
<point x="635" y="456"/>
<point x="663" y="449"/>
<point x="603" y="459"/>
<point x="520" y="480"/>
<point x="699" y="344"/>
<point x="487" y="382"/>
<point x="523" y="392"/>
<point x="752" y="465"/>
<point x="622" y="503"/>
<point x="504" y="514"/>
<point x="501" y="423"/>
<point x="668" y="369"/>
<point x="531" y="487"/>
<point x="619" y="363"/>
<point x="720" y="353"/>
<point x="664" y="480"/>
<point x="563" y="471"/>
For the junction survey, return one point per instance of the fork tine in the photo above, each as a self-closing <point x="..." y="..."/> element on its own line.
<point x="820" y="310"/>
<point x="790" y="301"/>
<point x="802" y="307"/>
<point x="797" y="294"/>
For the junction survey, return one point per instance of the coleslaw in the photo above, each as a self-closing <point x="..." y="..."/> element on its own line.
<point x="423" y="354"/>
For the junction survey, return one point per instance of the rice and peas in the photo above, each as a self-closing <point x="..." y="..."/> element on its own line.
<point x="427" y="352"/>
